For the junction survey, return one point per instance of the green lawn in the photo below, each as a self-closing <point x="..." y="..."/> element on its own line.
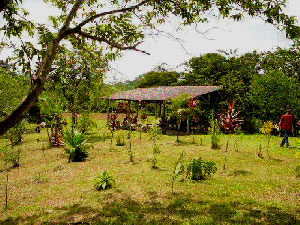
<point x="250" y="190"/>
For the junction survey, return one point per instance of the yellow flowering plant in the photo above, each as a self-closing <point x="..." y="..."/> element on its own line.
<point x="267" y="129"/>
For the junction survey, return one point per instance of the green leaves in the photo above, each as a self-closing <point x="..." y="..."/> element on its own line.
<point x="77" y="146"/>
<point x="198" y="169"/>
<point x="104" y="181"/>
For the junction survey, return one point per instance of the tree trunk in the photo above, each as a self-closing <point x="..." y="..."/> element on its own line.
<point x="17" y="115"/>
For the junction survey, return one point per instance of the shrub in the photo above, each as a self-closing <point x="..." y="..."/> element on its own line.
<point x="77" y="146"/>
<point x="85" y="123"/>
<point x="198" y="169"/>
<point x="11" y="155"/>
<point x="214" y="133"/>
<point x="120" y="139"/>
<point x="105" y="181"/>
<point x="15" y="134"/>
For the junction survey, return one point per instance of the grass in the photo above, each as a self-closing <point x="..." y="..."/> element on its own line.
<point x="45" y="188"/>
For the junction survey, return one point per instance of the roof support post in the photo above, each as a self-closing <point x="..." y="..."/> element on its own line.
<point x="164" y="111"/>
<point x="155" y="109"/>
<point x="159" y="113"/>
<point x="107" y="106"/>
<point x="137" y="107"/>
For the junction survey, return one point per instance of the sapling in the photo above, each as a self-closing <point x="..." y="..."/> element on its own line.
<point x="260" y="155"/>
<point x="129" y="148"/>
<point x="154" y="135"/>
<point x="178" y="169"/>
<point x="227" y="144"/>
<point x="224" y="165"/>
<point x="214" y="133"/>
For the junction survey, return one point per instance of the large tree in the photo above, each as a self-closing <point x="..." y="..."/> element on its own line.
<point x="113" y="26"/>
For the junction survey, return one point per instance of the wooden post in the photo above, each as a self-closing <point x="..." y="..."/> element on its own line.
<point x="137" y="108"/>
<point x="187" y="126"/>
<point x="129" y="102"/>
<point x="159" y="113"/>
<point x="164" y="111"/>
<point x="107" y="105"/>
<point x="155" y="109"/>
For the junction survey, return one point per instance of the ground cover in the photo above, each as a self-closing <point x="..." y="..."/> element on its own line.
<point x="247" y="188"/>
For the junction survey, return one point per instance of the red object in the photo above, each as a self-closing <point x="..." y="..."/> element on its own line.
<point x="286" y="122"/>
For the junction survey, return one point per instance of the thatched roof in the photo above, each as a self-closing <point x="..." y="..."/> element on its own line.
<point x="163" y="93"/>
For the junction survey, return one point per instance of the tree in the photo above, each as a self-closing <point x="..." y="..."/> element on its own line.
<point x="206" y="69"/>
<point x="285" y="60"/>
<point x="271" y="94"/>
<point x="121" y="27"/>
<point x="156" y="78"/>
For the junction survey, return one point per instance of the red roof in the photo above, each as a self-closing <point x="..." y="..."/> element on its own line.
<point x="163" y="92"/>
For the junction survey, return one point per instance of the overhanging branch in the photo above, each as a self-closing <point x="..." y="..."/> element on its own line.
<point x="122" y="10"/>
<point x="111" y="43"/>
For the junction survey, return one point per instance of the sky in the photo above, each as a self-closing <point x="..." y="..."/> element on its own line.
<point x="244" y="36"/>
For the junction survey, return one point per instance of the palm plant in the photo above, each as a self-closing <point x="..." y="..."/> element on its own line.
<point x="77" y="146"/>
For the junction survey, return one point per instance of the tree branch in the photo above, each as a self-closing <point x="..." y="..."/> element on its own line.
<point x="122" y="10"/>
<point x="111" y="43"/>
<point x="42" y="73"/>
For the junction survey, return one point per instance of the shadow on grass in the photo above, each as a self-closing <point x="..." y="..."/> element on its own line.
<point x="179" y="209"/>
<point x="97" y="138"/>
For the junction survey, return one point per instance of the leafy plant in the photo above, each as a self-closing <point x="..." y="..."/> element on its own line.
<point x="267" y="129"/>
<point x="229" y="120"/>
<point x="77" y="146"/>
<point x="154" y="135"/>
<point x="105" y="181"/>
<point x="11" y="155"/>
<point x="85" y="123"/>
<point x="15" y="134"/>
<point x="120" y="139"/>
<point x="198" y="169"/>
<point x="178" y="169"/>
<point x="215" y="133"/>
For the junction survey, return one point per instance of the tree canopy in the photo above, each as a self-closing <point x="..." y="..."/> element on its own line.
<point x="109" y="27"/>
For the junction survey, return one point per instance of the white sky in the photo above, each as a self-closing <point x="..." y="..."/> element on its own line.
<point x="246" y="36"/>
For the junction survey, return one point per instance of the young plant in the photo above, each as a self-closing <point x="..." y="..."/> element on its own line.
<point x="14" y="135"/>
<point x="153" y="157"/>
<point x="154" y="135"/>
<point x="105" y="181"/>
<point x="229" y="120"/>
<point x="76" y="146"/>
<point x="11" y="156"/>
<point x="85" y="123"/>
<point x="120" y="140"/>
<point x="215" y="133"/>
<point x="129" y="148"/>
<point x="267" y="129"/>
<point x="198" y="169"/>
<point x="178" y="169"/>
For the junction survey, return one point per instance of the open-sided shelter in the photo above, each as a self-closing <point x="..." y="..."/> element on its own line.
<point x="161" y="94"/>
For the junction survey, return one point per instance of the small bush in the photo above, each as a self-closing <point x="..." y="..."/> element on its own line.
<point x="105" y="181"/>
<point x="198" y="169"/>
<point x="85" y="123"/>
<point x="215" y="133"/>
<point x="10" y="155"/>
<point x="15" y="134"/>
<point x="77" y="146"/>
<point x="120" y="139"/>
